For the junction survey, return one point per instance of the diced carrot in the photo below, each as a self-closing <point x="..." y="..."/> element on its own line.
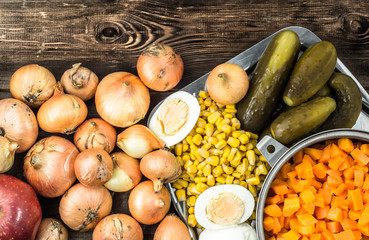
<point x="287" y="221"/>
<point x="346" y="164"/>
<point x="302" y="185"/>
<point x="326" y="154"/>
<point x="349" y="184"/>
<point x="281" y="220"/>
<point x="277" y="226"/>
<point x="358" y="177"/>
<point x="273" y="210"/>
<point x="319" y="200"/>
<point x="345" y="144"/>
<point x="320" y="226"/>
<point x="291" y="235"/>
<point x="327" y="235"/>
<point x="334" y="173"/>
<point x="334" y="182"/>
<point x="306" y="219"/>
<point x="357" y="199"/>
<point x="292" y="195"/>
<point x="305" y="169"/>
<point x="273" y="200"/>
<point x="292" y="174"/>
<point x="307" y="230"/>
<point x="268" y="223"/>
<point x="345" y="235"/>
<point x="307" y="196"/>
<point x="321" y="212"/>
<point x="348" y="223"/>
<point x="339" y="202"/>
<point x="309" y="207"/>
<point x="359" y="156"/>
<point x="366" y="197"/>
<point x="326" y="193"/>
<point x="294" y="224"/>
<point x="334" y="227"/>
<point x="364" y="218"/>
<point x="319" y="170"/>
<point x="336" y="162"/>
<point x="366" y="182"/>
<point x="364" y="229"/>
<point x="291" y="205"/>
<point x="349" y="173"/>
<point x="365" y="148"/>
<point x="340" y="189"/>
<point x="335" y="214"/>
<point x="316" y="184"/>
<point x="357" y="234"/>
<point x="336" y="151"/>
<point x="354" y="215"/>
<point x="297" y="158"/>
<point x="304" y="238"/>
<point x="286" y="168"/>
<point x="314" y="153"/>
<point x="280" y="189"/>
<point x="315" y="236"/>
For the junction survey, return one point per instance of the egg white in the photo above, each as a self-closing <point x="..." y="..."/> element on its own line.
<point x="194" y="113"/>
<point x="204" y="198"/>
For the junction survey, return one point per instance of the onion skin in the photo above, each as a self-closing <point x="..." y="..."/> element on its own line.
<point x="138" y="140"/>
<point x="81" y="207"/>
<point x="122" y="99"/>
<point x="32" y="84"/>
<point x="52" y="229"/>
<point x="80" y="81"/>
<point x="172" y="228"/>
<point x="49" y="166"/>
<point x="126" y="173"/>
<point x="62" y="113"/>
<point x="118" y="227"/>
<point x="227" y="83"/>
<point x="7" y="152"/>
<point x="160" y="166"/>
<point x="93" y="167"/>
<point x="159" y="67"/>
<point x="147" y="206"/>
<point x="18" y="123"/>
<point x="95" y="133"/>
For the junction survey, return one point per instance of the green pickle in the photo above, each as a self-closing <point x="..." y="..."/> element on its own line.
<point x="311" y="72"/>
<point x="302" y="120"/>
<point x="349" y="102"/>
<point x="267" y="81"/>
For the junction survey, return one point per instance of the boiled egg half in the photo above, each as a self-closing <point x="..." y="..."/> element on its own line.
<point x="175" y="117"/>
<point x="222" y="206"/>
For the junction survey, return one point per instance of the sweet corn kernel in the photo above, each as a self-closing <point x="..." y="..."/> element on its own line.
<point x="178" y="149"/>
<point x="236" y="181"/>
<point x="191" y="210"/>
<point x="202" y="107"/>
<point x="261" y="170"/>
<point x="236" y="174"/>
<point x="180" y="160"/>
<point x="221" y="136"/>
<point x="201" y="123"/>
<point x="228" y="116"/>
<point x="207" y="170"/>
<point x="232" y="154"/>
<point x="242" y="148"/>
<point x="191" y="201"/>
<point x="220" y="179"/>
<point x="236" y="134"/>
<point x="230" y="106"/>
<point x="177" y="186"/>
<point x="201" y="187"/>
<point x="200" y="179"/>
<point x="189" y="140"/>
<point x="203" y="94"/>
<point x="213" y="160"/>
<point x="213" y="108"/>
<point x="210" y="180"/>
<point x="223" y="160"/>
<point x="225" y="128"/>
<point x="213" y="140"/>
<point x="250" y="168"/>
<point x="253" y="180"/>
<point x="221" y="144"/>
<point x="229" y="179"/>
<point x="244" y="138"/>
<point x="235" y="162"/>
<point x="215" y="151"/>
<point x="209" y="129"/>
<point x="213" y="117"/>
<point x="236" y="123"/>
<point x="201" y="165"/>
<point x="227" y="169"/>
<point x="228" y="110"/>
<point x="244" y="184"/>
<point x="254" y="136"/>
<point x="217" y="171"/>
<point x="252" y="189"/>
<point x="262" y="158"/>
<point x="205" y="114"/>
<point x="191" y="221"/>
<point x="191" y="169"/>
<point x="187" y="164"/>
<point x="250" y="146"/>
<point x="257" y="151"/>
<point x="233" y="142"/>
<point x="200" y="100"/>
<point x="206" y="146"/>
<point x="181" y="194"/>
<point x="186" y="157"/>
<point x="207" y="102"/>
<point x="203" y="153"/>
<point x="200" y="130"/>
<point x="196" y="162"/>
<point x="250" y="154"/>
<point x="197" y="139"/>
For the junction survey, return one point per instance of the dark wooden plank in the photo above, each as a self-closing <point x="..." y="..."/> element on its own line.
<point x="109" y="35"/>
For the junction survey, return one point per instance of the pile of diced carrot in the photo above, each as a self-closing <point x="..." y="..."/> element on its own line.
<point x="322" y="193"/>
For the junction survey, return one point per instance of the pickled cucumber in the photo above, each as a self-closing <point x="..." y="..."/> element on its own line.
<point x="312" y="71"/>
<point x="302" y="120"/>
<point x="268" y="80"/>
<point x="349" y="102"/>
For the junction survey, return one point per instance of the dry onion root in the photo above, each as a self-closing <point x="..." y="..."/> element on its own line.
<point x="80" y="81"/>
<point x="51" y="228"/>
<point x="32" y="84"/>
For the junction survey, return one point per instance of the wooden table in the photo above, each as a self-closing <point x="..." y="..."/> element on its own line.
<point x="108" y="36"/>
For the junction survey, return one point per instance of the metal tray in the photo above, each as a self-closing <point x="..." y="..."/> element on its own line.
<point x="247" y="60"/>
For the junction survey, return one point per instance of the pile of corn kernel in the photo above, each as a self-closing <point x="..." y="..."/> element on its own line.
<point x="217" y="152"/>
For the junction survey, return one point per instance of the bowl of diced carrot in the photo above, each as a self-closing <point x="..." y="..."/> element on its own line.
<point x="318" y="189"/>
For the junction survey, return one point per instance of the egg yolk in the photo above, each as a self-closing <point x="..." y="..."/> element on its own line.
<point x="225" y="209"/>
<point x="172" y="116"/>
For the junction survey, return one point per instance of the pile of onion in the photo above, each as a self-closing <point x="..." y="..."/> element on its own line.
<point x="62" y="113"/>
<point x="160" y="166"/>
<point x="122" y="99"/>
<point x="32" y="84"/>
<point x="81" y="207"/>
<point x="80" y="81"/>
<point x="7" y="152"/>
<point x="159" y="67"/>
<point x="147" y="206"/>
<point x="172" y="228"/>
<point x="51" y="228"/>
<point x="118" y="226"/>
<point x="126" y="173"/>
<point x="95" y="133"/>
<point x="49" y="166"/>
<point x="18" y="123"/>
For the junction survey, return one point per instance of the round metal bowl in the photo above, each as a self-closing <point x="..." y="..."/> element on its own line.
<point x="277" y="155"/>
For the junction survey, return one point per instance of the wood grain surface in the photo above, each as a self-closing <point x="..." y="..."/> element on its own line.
<point x="108" y="36"/>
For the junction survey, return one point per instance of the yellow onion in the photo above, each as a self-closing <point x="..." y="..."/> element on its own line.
<point x="80" y="81"/>
<point x="95" y="133"/>
<point x="172" y="228"/>
<point x="118" y="226"/>
<point x="53" y="229"/>
<point x="7" y="152"/>
<point x="138" y="140"/>
<point x="62" y="113"/>
<point x="159" y="67"/>
<point x="146" y="206"/>
<point x="32" y="84"/>
<point x="126" y="173"/>
<point x="49" y="166"/>
<point x="18" y="123"/>
<point x="81" y="207"/>
<point x="160" y="166"/>
<point x="122" y="99"/>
